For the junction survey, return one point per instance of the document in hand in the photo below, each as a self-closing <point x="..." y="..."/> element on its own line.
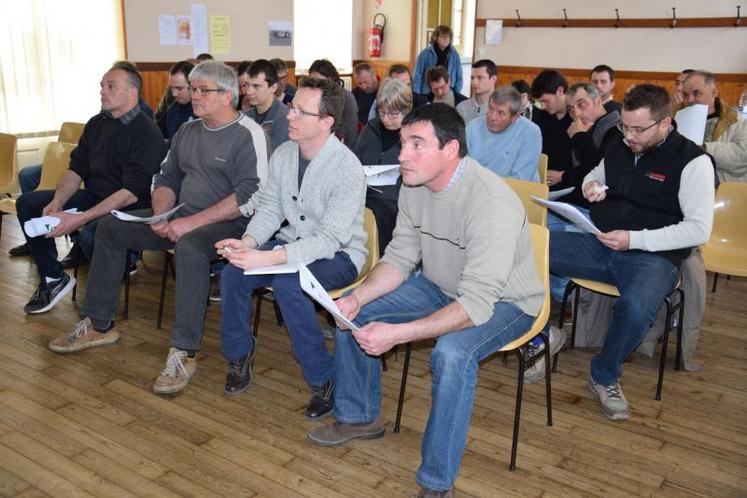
<point x="569" y="212"/>
<point x="557" y="194"/>
<point x="273" y="269"/>
<point x="45" y="224"/>
<point x="149" y="220"/>
<point x="381" y="175"/>
<point x="691" y="121"/>
<point x="314" y="289"/>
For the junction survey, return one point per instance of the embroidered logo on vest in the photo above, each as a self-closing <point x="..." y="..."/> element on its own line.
<point x="656" y="176"/>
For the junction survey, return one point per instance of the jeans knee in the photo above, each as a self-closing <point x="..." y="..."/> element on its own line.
<point x="446" y="360"/>
<point x="286" y="284"/>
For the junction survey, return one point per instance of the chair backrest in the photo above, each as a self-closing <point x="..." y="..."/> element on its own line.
<point x="56" y="162"/>
<point x="372" y="244"/>
<point x="70" y="132"/>
<point x="541" y="250"/>
<point x="536" y="213"/>
<point x="8" y="164"/>
<point x="542" y="168"/>
<point x="728" y="215"/>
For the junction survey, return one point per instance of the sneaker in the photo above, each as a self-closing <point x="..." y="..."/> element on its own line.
<point x="175" y="376"/>
<point x="21" y="250"/>
<point x="536" y="372"/>
<point x="239" y="374"/>
<point x="322" y="401"/>
<point x="614" y="404"/>
<point x="338" y="433"/>
<point x="49" y="294"/>
<point x="83" y="337"/>
<point x="430" y="493"/>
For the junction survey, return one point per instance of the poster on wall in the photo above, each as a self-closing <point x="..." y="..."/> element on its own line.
<point x="281" y="33"/>
<point x="199" y="29"/>
<point x="183" y="30"/>
<point x="493" y="31"/>
<point x="167" y="30"/>
<point x="220" y="34"/>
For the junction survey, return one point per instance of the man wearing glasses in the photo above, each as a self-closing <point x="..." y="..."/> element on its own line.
<point x="213" y="170"/>
<point x="317" y="185"/>
<point x="652" y="199"/>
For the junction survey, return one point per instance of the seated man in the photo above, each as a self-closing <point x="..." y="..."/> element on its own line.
<point x="317" y="185"/>
<point x="725" y="135"/>
<point x="267" y="111"/>
<point x="347" y="125"/>
<point x="285" y="91"/>
<point x="550" y="87"/>
<point x="441" y="91"/>
<point x="242" y="71"/>
<point x="116" y="157"/>
<point x="180" y="111"/>
<point x="504" y="141"/>
<point x="679" y="83"/>
<point x="366" y="86"/>
<point x="214" y="168"/>
<point x="603" y="78"/>
<point x="477" y="291"/>
<point x="482" y="80"/>
<point x="659" y="205"/>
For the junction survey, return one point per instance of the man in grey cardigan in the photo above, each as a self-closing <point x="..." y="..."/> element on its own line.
<point x="316" y="184"/>
<point x="478" y="290"/>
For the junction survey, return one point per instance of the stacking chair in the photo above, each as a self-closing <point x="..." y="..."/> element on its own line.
<point x="576" y="284"/>
<point x="542" y="168"/>
<point x="536" y="213"/>
<point x="70" y="132"/>
<point x="726" y="251"/>
<point x="8" y="171"/>
<point x="541" y="249"/>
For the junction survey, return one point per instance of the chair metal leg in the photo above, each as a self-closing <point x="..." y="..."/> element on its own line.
<point x="517" y="409"/>
<point x="75" y="274"/>
<point x="257" y="311"/>
<point x="715" y="281"/>
<point x="664" y="344"/>
<point x="548" y="373"/>
<point x="383" y="363"/>
<point x="680" y="330"/>
<point x="566" y="294"/>
<point x="164" y="278"/>
<point x="575" y="316"/>
<point x="127" y="286"/>
<point x="403" y="384"/>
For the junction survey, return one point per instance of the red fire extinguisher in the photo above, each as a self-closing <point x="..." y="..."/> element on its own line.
<point x="376" y="37"/>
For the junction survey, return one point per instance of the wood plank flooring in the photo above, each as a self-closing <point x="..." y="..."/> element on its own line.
<point x="87" y="424"/>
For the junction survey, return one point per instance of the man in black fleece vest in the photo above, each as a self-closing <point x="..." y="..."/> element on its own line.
<point x="652" y="199"/>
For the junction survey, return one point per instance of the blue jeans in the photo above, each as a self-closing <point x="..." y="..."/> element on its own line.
<point x="560" y="224"/>
<point x="29" y="178"/>
<point x="643" y="278"/>
<point x="453" y="364"/>
<point x="297" y="308"/>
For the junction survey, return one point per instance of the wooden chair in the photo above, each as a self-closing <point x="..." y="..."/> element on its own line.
<point x="8" y="164"/>
<point x="536" y="213"/>
<point x="542" y="168"/>
<point x="541" y="249"/>
<point x="726" y="251"/>
<point x="70" y="132"/>
<point x="576" y="284"/>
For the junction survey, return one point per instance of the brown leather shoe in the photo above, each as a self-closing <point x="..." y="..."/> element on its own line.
<point x="429" y="493"/>
<point x="339" y="433"/>
<point x="83" y="337"/>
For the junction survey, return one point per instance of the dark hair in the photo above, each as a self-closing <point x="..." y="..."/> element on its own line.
<point x="204" y="57"/>
<point x="602" y="68"/>
<point x="280" y="65"/>
<point x="265" y="67"/>
<point x="363" y="66"/>
<point x="332" y="99"/>
<point x="653" y="97"/>
<point x="132" y="73"/>
<point x="326" y="69"/>
<point x="446" y="122"/>
<point x="184" y="67"/>
<point x="399" y="69"/>
<point x="489" y="66"/>
<point x="434" y="74"/>
<point x="521" y="86"/>
<point x="548" y="81"/>
<point x="243" y="67"/>
<point x="687" y="71"/>
<point x="441" y="29"/>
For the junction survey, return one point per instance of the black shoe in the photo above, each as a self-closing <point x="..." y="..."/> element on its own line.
<point x="48" y="294"/>
<point x="239" y="374"/>
<point x="22" y="250"/>
<point x="322" y="401"/>
<point x="68" y="262"/>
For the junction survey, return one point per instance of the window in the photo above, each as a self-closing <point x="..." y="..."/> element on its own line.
<point x="324" y="30"/>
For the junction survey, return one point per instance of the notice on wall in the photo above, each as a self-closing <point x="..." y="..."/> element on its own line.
<point x="493" y="31"/>
<point x="167" y="29"/>
<point x="183" y="30"/>
<point x="199" y="29"/>
<point x="220" y="34"/>
<point x="281" y="33"/>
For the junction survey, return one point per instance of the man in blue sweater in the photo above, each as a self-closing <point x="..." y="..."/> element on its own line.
<point x="503" y="140"/>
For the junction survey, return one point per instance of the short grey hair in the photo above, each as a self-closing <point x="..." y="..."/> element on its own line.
<point x="507" y="95"/>
<point x="707" y="76"/>
<point x="223" y="76"/>
<point x="394" y="95"/>
<point x="590" y="90"/>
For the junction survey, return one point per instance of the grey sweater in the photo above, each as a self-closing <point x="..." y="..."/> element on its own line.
<point x="325" y="216"/>
<point x="473" y="240"/>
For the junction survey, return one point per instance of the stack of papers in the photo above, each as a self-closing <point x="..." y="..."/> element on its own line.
<point x="314" y="289"/>
<point x="43" y="225"/>
<point x="569" y="212"/>
<point x="381" y="175"/>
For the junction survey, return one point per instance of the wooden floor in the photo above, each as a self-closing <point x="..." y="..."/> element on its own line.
<point x="87" y="423"/>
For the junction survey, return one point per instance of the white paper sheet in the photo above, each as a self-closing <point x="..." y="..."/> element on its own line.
<point x="314" y="289"/>
<point x="149" y="220"/>
<point x="493" y="31"/>
<point x="691" y="122"/>
<point x="43" y="225"/>
<point x="570" y="212"/>
<point x="381" y="175"/>
<point x="199" y="29"/>
<point x="556" y="194"/>
<point x="167" y="29"/>
<point x="273" y="269"/>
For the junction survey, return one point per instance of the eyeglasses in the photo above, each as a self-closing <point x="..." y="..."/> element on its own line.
<point x="635" y="130"/>
<point x="390" y="114"/>
<point x="201" y="92"/>
<point x="298" y="112"/>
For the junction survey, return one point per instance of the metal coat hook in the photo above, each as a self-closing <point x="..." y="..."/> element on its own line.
<point x="565" y="23"/>
<point x="674" y="18"/>
<point x="518" y="19"/>
<point x="736" y="21"/>
<point x="618" y="22"/>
